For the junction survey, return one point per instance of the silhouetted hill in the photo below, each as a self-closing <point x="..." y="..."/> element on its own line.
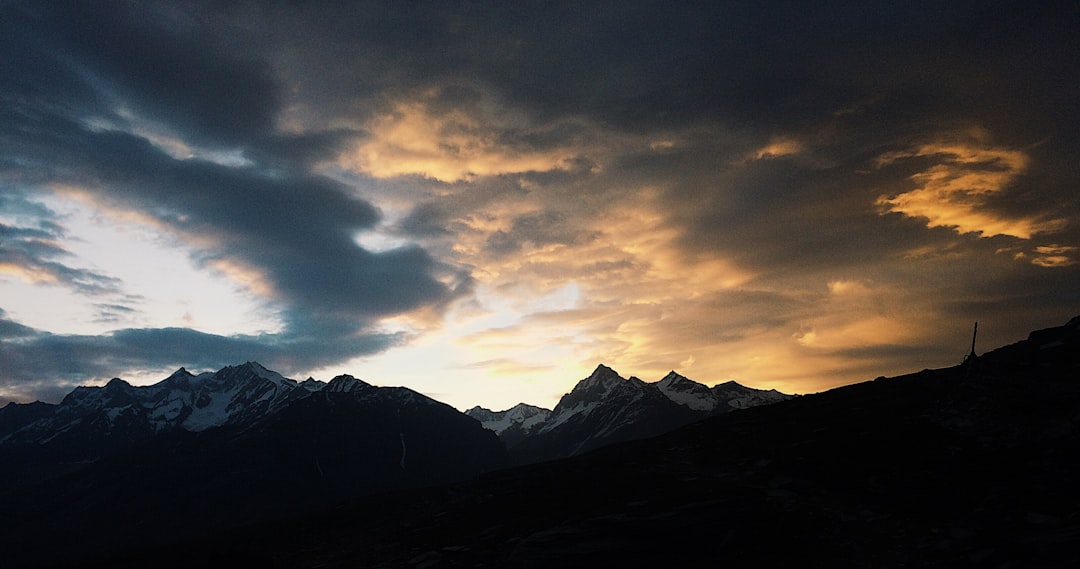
<point x="970" y="466"/>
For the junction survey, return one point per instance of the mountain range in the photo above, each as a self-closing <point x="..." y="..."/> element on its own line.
<point x="203" y="452"/>
<point x="606" y="408"/>
<point x="194" y="454"/>
<point x="973" y="465"/>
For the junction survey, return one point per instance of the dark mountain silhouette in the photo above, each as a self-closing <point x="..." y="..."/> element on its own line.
<point x="970" y="466"/>
<point x="606" y="408"/>
<point x="278" y="449"/>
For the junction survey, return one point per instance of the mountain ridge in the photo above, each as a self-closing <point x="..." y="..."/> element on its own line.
<point x="973" y="465"/>
<point x="606" y="408"/>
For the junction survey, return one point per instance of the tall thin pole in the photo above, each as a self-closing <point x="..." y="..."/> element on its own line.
<point x="974" y="333"/>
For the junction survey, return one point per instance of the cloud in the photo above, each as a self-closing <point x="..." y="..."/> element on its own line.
<point x="32" y="254"/>
<point x="959" y="187"/>
<point x="156" y="65"/>
<point x="643" y="185"/>
<point x="31" y="357"/>
<point x="452" y="143"/>
<point x="1055" y="256"/>
<point x="134" y="119"/>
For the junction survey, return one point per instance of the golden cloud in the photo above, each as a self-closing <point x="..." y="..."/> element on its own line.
<point x="779" y="147"/>
<point x="957" y="191"/>
<point x="450" y="146"/>
<point x="1055" y="256"/>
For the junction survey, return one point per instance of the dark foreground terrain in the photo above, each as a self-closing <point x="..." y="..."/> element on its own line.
<point x="972" y="466"/>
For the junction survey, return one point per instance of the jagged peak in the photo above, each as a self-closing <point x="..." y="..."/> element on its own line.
<point x="519" y="410"/>
<point x="345" y="383"/>
<point x="528" y="407"/>
<point x="674" y="377"/>
<point x="312" y="384"/>
<point x="603" y="374"/>
<point x="182" y="372"/>
<point x="600" y="383"/>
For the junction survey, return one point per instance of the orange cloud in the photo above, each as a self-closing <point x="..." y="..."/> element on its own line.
<point x="779" y="147"/>
<point x="1055" y="256"/>
<point x="957" y="191"/>
<point x="449" y="146"/>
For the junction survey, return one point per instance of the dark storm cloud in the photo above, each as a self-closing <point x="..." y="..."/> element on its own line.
<point x="163" y="65"/>
<point x="80" y="80"/>
<point x="681" y="100"/>
<point x="649" y="64"/>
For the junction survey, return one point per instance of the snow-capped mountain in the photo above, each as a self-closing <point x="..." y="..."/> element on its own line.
<point x="92" y="424"/>
<point x="736" y="396"/>
<point x="685" y="391"/>
<point x="605" y="408"/>
<point x="721" y="397"/>
<point x="513" y="424"/>
<point x="232" y="395"/>
<point x="522" y="415"/>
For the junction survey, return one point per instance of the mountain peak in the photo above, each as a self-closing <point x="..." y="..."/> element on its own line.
<point x="251" y="370"/>
<point x="345" y="384"/>
<point x="599" y="385"/>
<point x="674" y="377"/>
<point x="603" y="375"/>
<point x="117" y="383"/>
<point x="604" y="371"/>
<point x="685" y="391"/>
<point x="522" y="416"/>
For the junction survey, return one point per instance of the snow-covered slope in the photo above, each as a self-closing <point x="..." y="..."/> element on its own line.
<point x="736" y="396"/>
<point x="522" y="416"/>
<point x="232" y="395"/>
<point x="605" y="408"/>
<point x="685" y="391"/>
<point x="244" y="403"/>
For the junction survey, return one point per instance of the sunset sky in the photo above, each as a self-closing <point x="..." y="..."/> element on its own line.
<point x="484" y="200"/>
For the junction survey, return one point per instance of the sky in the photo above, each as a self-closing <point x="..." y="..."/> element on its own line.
<point x="484" y="200"/>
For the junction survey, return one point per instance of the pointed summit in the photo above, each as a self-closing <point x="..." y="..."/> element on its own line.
<point x="345" y="384"/>
<point x="685" y="391"/>
<point x="603" y="372"/>
<point x="599" y="386"/>
<point x="182" y="372"/>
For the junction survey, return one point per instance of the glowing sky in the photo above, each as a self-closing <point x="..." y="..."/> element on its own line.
<point x="484" y="200"/>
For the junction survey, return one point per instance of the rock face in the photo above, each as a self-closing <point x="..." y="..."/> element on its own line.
<point x="606" y="408"/>
<point x="193" y="454"/>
